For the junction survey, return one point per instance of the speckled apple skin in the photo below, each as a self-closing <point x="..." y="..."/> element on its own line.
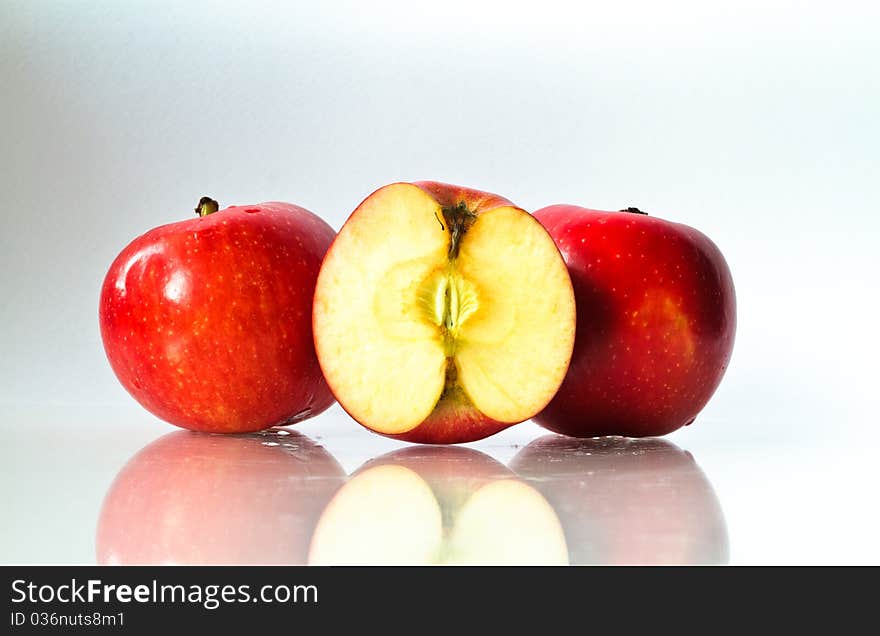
<point x="656" y="318"/>
<point x="207" y="322"/>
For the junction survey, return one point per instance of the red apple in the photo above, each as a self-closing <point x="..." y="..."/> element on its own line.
<point x="442" y="314"/>
<point x="437" y="505"/>
<point x="217" y="499"/>
<point x="207" y="322"/>
<point x="656" y="315"/>
<point x="625" y="501"/>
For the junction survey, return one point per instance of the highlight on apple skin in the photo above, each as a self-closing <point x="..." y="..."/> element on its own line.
<point x="627" y="501"/>
<point x="200" y="499"/>
<point x="207" y="322"/>
<point x="656" y="319"/>
<point x="442" y="314"/>
<point x="437" y="505"/>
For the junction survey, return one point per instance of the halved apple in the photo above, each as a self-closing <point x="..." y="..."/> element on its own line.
<point x="442" y="314"/>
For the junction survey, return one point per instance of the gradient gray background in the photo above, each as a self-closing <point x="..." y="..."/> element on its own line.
<point x="756" y="122"/>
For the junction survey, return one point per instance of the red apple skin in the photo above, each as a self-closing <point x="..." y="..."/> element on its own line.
<point x="448" y="195"/>
<point x="454" y="422"/>
<point x="627" y="501"/>
<point x="656" y="316"/>
<point x="207" y="322"/>
<point x="217" y="499"/>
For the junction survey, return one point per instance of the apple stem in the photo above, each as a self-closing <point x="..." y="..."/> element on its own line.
<point x="207" y="206"/>
<point x="634" y="211"/>
<point x="458" y="220"/>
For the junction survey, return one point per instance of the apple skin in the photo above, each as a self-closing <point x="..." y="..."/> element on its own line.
<point x="453" y="422"/>
<point x="456" y="421"/>
<point x="627" y="501"/>
<point x="448" y="195"/>
<point x="207" y="322"/>
<point x="217" y="499"/>
<point x="656" y="317"/>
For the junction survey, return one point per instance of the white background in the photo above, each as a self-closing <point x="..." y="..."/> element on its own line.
<point x="756" y="122"/>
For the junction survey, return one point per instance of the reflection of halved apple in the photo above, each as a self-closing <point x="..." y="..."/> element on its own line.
<point x="627" y="501"/>
<point x="216" y="499"/>
<point x="437" y="506"/>
<point x="442" y="314"/>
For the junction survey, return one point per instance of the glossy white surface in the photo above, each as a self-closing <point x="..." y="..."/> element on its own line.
<point x="773" y="502"/>
<point x="755" y="122"/>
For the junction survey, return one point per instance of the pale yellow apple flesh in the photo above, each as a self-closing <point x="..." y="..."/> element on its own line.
<point x="421" y="308"/>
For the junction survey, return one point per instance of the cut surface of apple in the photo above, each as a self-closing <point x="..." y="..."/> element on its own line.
<point x="443" y="314"/>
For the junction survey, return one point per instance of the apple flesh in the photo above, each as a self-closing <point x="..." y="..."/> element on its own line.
<point x="442" y="314"/>
<point x="207" y="322"/>
<point x="217" y="499"/>
<point x="627" y="501"/>
<point x="437" y="505"/>
<point x="656" y="316"/>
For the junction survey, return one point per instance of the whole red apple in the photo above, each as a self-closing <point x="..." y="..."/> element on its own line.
<point x="217" y="499"/>
<point x="207" y="322"/>
<point x="656" y="316"/>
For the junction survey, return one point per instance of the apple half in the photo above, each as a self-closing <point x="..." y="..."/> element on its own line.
<point x="442" y="314"/>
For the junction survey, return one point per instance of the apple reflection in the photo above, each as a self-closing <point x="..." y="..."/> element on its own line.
<point x="277" y="497"/>
<point x="437" y="505"/>
<point x="192" y="498"/>
<point x="627" y="501"/>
